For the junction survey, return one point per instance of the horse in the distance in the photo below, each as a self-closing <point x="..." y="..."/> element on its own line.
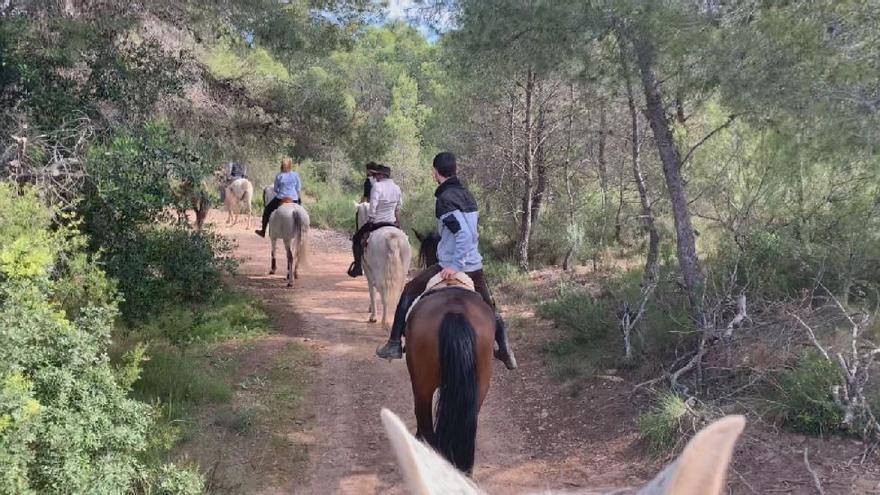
<point x="450" y="333"/>
<point x="290" y="223"/>
<point x="701" y="468"/>
<point x="238" y="195"/>
<point x="386" y="262"/>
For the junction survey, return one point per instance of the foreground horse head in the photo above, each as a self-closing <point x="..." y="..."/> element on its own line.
<point x="239" y="193"/>
<point x="700" y="470"/>
<point x="290" y="223"/>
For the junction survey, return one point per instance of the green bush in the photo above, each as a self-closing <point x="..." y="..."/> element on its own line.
<point x="134" y="182"/>
<point x="67" y="424"/>
<point x="804" y="401"/>
<point x="169" y="265"/>
<point x="665" y="425"/>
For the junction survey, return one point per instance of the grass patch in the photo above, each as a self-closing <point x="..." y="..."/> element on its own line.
<point x="667" y="424"/>
<point x="179" y="380"/>
<point x="589" y="342"/>
<point x="229" y="314"/>
<point x="506" y="276"/>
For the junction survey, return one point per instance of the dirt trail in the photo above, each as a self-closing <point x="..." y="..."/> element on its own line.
<point x="520" y="444"/>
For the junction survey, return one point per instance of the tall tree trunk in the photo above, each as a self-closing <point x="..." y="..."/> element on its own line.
<point x="650" y="274"/>
<point x="525" y="229"/>
<point x="573" y="241"/>
<point x="540" y="171"/>
<point x="686" y="250"/>
<point x="603" y="171"/>
<point x="618" y="216"/>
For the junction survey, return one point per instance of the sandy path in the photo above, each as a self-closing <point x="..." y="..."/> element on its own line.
<point x="327" y="311"/>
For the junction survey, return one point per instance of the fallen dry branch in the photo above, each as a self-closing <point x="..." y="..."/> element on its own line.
<point x="816" y="482"/>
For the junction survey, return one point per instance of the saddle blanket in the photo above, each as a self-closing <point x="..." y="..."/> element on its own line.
<point x="460" y="280"/>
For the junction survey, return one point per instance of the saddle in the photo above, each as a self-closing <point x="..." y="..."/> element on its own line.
<point x="436" y="284"/>
<point x="365" y="240"/>
<point x="285" y="201"/>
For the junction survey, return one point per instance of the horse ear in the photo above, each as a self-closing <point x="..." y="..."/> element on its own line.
<point x="424" y="471"/>
<point x="702" y="467"/>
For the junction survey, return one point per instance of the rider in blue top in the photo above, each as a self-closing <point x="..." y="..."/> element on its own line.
<point x="287" y="188"/>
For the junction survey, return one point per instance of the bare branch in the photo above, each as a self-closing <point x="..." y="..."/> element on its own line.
<point x="718" y="129"/>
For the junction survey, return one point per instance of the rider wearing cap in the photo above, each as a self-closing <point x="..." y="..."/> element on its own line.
<point x="384" y="211"/>
<point x="457" y="215"/>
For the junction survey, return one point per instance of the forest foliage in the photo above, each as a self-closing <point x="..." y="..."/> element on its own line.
<point x="726" y="149"/>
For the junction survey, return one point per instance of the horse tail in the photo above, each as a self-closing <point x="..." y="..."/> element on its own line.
<point x="456" y="425"/>
<point x="395" y="267"/>
<point x="301" y="231"/>
<point x="248" y="192"/>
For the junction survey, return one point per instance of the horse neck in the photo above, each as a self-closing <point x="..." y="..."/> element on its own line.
<point x="361" y="215"/>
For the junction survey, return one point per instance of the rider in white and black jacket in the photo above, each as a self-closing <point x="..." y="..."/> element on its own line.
<point x="457" y="216"/>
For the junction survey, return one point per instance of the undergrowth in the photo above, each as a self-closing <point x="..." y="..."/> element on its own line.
<point x="667" y="424"/>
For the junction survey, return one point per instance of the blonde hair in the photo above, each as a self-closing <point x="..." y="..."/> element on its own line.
<point x="286" y="164"/>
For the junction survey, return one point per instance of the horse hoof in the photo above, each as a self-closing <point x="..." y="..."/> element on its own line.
<point x="271" y="272"/>
<point x="289" y="285"/>
<point x="371" y="320"/>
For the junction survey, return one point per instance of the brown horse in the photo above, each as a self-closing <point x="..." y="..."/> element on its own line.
<point x="449" y="337"/>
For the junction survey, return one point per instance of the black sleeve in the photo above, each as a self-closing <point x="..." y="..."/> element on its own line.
<point x="367" y="187"/>
<point x="452" y="224"/>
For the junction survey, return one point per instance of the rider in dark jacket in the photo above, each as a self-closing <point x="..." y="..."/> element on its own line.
<point x="457" y="215"/>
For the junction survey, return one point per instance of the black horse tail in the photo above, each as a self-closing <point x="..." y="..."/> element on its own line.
<point x="456" y="426"/>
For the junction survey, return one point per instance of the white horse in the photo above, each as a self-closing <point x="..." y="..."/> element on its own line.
<point x="700" y="470"/>
<point x="290" y="223"/>
<point x="386" y="262"/>
<point x="238" y="194"/>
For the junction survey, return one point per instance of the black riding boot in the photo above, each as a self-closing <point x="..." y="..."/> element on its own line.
<point x="502" y="348"/>
<point x="393" y="349"/>
<point x="357" y="249"/>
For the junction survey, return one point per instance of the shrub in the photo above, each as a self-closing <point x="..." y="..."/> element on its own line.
<point x="67" y="424"/>
<point x="134" y="182"/>
<point x="168" y="264"/>
<point x="666" y="424"/>
<point x="804" y="400"/>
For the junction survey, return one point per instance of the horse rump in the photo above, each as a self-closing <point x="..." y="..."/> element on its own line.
<point x="456" y="424"/>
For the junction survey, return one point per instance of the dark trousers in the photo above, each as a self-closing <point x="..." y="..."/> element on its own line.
<point x="357" y="240"/>
<point x="417" y="286"/>
<point x="271" y="207"/>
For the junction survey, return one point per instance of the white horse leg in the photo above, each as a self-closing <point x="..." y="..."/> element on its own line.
<point x="382" y="290"/>
<point x="372" y="288"/>
<point x="272" y="270"/>
<point x="289" y="262"/>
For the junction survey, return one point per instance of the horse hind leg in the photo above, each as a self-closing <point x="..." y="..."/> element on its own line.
<point x="424" y="409"/>
<point x="372" y="289"/>
<point x="289" y="262"/>
<point x="272" y="269"/>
